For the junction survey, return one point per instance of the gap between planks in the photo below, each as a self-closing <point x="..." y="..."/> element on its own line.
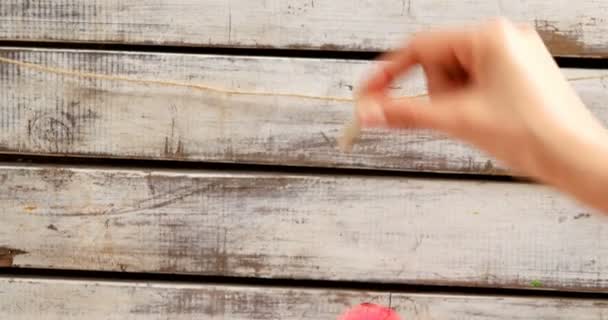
<point x="562" y="62"/>
<point x="305" y="284"/>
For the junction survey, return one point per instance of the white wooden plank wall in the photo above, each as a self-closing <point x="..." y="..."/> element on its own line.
<point x="569" y="28"/>
<point x="60" y="115"/>
<point x="370" y="228"/>
<point x="427" y="231"/>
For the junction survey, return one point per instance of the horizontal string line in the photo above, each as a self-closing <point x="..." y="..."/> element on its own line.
<point x="201" y="87"/>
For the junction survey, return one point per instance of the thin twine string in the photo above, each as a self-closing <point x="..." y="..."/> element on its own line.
<point x="170" y="83"/>
<point x="165" y="83"/>
<point x="201" y="87"/>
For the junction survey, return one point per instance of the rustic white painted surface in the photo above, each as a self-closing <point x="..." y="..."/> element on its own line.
<point x="22" y="298"/>
<point x="57" y="115"/>
<point x="45" y="299"/>
<point x="569" y="28"/>
<point x="385" y="229"/>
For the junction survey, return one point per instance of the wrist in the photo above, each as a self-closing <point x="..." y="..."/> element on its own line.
<point x="577" y="164"/>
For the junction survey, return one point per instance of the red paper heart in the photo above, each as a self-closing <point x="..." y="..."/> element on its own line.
<point x="370" y="311"/>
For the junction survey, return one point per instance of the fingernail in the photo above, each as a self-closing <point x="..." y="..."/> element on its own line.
<point x="370" y="113"/>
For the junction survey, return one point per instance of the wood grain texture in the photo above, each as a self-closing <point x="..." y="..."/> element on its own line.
<point x="45" y="299"/>
<point x="22" y="298"/>
<point x="569" y="29"/>
<point x="386" y="229"/>
<point x="58" y="115"/>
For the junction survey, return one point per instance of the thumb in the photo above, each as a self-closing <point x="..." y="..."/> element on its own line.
<point x="440" y="113"/>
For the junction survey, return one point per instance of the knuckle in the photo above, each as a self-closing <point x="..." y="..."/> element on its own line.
<point x="500" y="24"/>
<point x="499" y="34"/>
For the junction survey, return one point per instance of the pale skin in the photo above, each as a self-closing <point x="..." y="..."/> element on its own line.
<point x="496" y="86"/>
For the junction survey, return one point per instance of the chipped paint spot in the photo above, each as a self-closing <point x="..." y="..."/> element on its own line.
<point x="58" y="178"/>
<point x="174" y="147"/>
<point x="582" y="215"/>
<point x="7" y="256"/>
<point x="565" y="43"/>
<point x="489" y="166"/>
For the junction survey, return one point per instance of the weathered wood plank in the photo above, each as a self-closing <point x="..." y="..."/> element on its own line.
<point x="58" y="115"/>
<point x="23" y="298"/>
<point x="402" y="230"/>
<point x="569" y="29"/>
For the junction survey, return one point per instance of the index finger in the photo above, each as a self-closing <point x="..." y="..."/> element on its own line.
<point x="431" y="47"/>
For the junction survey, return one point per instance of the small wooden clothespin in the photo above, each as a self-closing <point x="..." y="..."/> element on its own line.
<point x="351" y="132"/>
<point x="353" y="128"/>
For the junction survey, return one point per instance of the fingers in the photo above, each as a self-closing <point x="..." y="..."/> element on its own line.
<point x="445" y="48"/>
<point x="444" y="113"/>
<point x="370" y="111"/>
<point x="417" y="113"/>
<point x="393" y="65"/>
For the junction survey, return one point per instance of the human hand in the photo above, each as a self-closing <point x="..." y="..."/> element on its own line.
<point x="496" y="86"/>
